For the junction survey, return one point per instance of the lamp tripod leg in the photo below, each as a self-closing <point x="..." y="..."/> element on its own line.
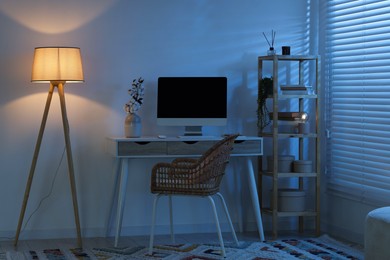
<point x="34" y="163"/>
<point x="70" y="161"/>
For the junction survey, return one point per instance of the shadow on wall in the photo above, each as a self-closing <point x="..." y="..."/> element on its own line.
<point x="242" y="95"/>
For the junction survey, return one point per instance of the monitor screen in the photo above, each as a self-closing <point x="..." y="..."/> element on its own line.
<point x="192" y="102"/>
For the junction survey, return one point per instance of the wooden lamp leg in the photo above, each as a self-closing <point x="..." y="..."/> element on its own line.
<point x="65" y="123"/>
<point x="34" y="162"/>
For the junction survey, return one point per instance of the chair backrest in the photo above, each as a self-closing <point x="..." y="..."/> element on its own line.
<point x="212" y="164"/>
<point x="194" y="176"/>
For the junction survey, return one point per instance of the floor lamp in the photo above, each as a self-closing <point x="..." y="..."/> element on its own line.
<point x="56" y="65"/>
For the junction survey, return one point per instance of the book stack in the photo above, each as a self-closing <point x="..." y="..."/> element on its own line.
<point x="296" y="90"/>
<point x="288" y="116"/>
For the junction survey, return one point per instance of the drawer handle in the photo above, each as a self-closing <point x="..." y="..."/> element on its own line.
<point x="238" y="141"/>
<point x="190" y="142"/>
<point x="142" y="143"/>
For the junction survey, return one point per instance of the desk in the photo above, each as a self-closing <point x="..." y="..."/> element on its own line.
<point x="124" y="149"/>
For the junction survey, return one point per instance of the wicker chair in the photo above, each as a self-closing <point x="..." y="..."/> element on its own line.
<point x="195" y="177"/>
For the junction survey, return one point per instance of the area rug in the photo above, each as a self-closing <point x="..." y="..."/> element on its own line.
<point x="310" y="248"/>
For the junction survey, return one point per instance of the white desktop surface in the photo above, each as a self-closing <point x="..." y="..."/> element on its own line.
<point x="125" y="149"/>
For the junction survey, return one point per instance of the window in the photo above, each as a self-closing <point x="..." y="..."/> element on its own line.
<point x="357" y="80"/>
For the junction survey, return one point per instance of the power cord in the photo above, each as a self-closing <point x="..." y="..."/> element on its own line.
<point x="43" y="199"/>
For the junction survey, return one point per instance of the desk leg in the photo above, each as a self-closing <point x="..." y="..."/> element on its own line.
<point x="114" y="195"/>
<point x="121" y="198"/>
<point x="255" y="198"/>
<point x="239" y="199"/>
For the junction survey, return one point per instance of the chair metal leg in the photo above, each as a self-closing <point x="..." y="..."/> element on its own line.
<point x="228" y="217"/>
<point x="218" y="227"/>
<point x="171" y="219"/>
<point x="156" y="198"/>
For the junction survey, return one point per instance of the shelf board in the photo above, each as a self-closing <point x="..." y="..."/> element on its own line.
<point x="289" y="57"/>
<point x="290" y="174"/>
<point x="289" y="135"/>
<point x="286" y="96"/>
<point x="290" y="213"/>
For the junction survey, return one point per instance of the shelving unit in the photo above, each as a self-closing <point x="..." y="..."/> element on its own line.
<point x="307" y="144"/>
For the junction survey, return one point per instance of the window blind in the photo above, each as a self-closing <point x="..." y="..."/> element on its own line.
<point x="357" y="80"/>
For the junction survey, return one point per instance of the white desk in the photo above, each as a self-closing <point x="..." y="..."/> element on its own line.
<point x="124" y="149"/>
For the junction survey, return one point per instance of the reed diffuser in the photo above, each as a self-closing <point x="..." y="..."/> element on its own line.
<point x="271" y="50"/>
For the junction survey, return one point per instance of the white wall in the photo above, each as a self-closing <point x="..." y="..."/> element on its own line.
<point x="121" y="40"/>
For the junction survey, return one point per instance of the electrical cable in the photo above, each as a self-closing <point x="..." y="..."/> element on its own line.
<point x="44" y="198"/>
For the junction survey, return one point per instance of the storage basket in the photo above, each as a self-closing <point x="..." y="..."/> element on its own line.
<point x="302" y="166"/>
<point x="291" y="200"/>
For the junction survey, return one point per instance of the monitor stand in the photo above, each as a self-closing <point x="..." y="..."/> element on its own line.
<point x="193" y="131"/>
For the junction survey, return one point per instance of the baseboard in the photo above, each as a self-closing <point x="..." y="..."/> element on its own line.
<point x="39" y="234"/>
<point x="285" y="224"/>
<point x="178" y="229"/>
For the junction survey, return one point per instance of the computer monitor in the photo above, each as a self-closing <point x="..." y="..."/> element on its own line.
<point x="192" y="102"/>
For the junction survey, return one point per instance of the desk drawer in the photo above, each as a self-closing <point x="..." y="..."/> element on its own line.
<point x="188" y="147"/>
<point x="141" y="148"/>
<point x="247" y="147"/>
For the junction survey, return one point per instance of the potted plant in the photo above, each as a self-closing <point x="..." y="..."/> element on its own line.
<point x="133" y="126"/>
<point x="265" y="90"/>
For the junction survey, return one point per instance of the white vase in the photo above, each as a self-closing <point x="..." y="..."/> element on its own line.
<point x="133" y="125"/>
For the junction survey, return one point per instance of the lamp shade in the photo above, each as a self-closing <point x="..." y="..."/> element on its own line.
<point x="57" y="64"/>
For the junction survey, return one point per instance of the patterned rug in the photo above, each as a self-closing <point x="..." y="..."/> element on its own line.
<point x="311" y="248"/>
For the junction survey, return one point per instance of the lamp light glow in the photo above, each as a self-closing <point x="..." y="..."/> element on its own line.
<point x="57" y="64"/>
